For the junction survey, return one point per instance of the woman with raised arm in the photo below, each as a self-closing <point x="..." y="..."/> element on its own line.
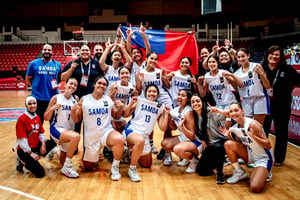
<point x="111" y="71"/>
<point x="182" y="79"/>
<point x="248" y="141"/>
<point x="96" y="110"/>
<point x="153" y="75"/>
<point x="145" y="113"/>
<point x="187" y="144"/>
<point x="219" y="82"/>
<point x="136" y="53"/>
<point x="255" y="101"/>
<point x="62" y="126"/>
<point x="207" y="128"/>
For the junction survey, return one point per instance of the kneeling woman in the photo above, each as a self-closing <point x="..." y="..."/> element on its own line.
<point x="187" y="144"/>
<point x="248" y="141"/>
<point x="62" y="126"/>
<point x="97" y="110"/>
<point x="145" y="112"/>
<point x="31" y="140"/>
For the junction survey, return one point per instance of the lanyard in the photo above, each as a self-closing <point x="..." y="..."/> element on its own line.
<point x="275" y="79"/>
<point x="89" y="70"/>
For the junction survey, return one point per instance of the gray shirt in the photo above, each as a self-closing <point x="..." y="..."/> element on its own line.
<point x="214" y="121"/>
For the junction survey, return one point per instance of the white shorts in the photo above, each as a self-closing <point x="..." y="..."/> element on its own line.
<point x="147" y="146"/>
<point x="199" y="145"/>
<point x="92" y="148"/>
<point x="55" y="133"/>
<point x="266" y="161"/>
<point x="255" y="105"/>
<point x="183" y="138"/>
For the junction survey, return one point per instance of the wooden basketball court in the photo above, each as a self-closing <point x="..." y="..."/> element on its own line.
<point x="158" y="182"/>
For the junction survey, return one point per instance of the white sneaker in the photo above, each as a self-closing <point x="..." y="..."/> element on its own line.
<point x="133" y="175"/>
<point x="238" y="174"/>
<point x="250" y="165"/>
<point x="50" y="155"/>
<point x="183" y="163"/>
<point x="269" y="177"/>
<point x="69" y="171"/>
<point x="115" y="173"/>
<point x="168" y="159"/>
<point x="241" y="161"/>
<point x="192" y="166"/>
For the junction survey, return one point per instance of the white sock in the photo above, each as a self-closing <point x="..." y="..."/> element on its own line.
<point x="132" y="166"/>
<point x="236" y="165"/>
<point x="116" y="162"/>
<point x="68" y="161"/>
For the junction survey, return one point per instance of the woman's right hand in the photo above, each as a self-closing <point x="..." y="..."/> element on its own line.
<point x="74" y="65"/>
<point x="34" y="156"/>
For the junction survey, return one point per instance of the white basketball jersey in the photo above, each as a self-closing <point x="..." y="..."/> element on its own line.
<point x="155" y="78"/>
<point x="112" y="75"/>
<point x="178" y="82"/>
<point x="124" y="92"/>
<point x="62" y="116"/>
<point x="96" y="116"/>
<point x="252" y="84"/>
<point x="220" y="88"/>
<point x="135" y="69"/>
<point x="176" y="116"/>
<point x="252" y="146"/>
<point x="144" y="117"/>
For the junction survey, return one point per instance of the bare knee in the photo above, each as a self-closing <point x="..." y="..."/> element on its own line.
<point x="76" y="137"/>
<point x="119" y="139"/>
<point x="256" y="188"/>
<point x="228" y="144"/>
<point x="167" y="145"/>
<point x="178" y="150"/>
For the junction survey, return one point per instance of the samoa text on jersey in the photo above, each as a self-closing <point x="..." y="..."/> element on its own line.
<point x="248" y="83"/>
<point x="217" y="87"/>
<point x="182" y="84"/>
<point x="156" y="82"/>
<point x="98" y="111"/>
<point x="65" y="107"/>
<point x="148" y="108"/>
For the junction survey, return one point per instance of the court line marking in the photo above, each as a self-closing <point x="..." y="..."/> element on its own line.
<point x="20" y="193"/>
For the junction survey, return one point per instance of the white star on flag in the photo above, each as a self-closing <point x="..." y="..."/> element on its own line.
<point x="150" y="36"/>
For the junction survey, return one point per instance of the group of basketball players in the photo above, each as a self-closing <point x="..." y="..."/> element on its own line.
<point x="132" y="96"/>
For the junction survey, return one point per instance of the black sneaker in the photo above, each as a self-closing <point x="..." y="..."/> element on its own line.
<point x="161" y="154"/>
<point x="220" y="178"/>
<point x="19" y="165"/>
<point x="108" y="154"/>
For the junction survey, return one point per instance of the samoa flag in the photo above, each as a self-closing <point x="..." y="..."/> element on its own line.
<point x="171" y="46"/>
